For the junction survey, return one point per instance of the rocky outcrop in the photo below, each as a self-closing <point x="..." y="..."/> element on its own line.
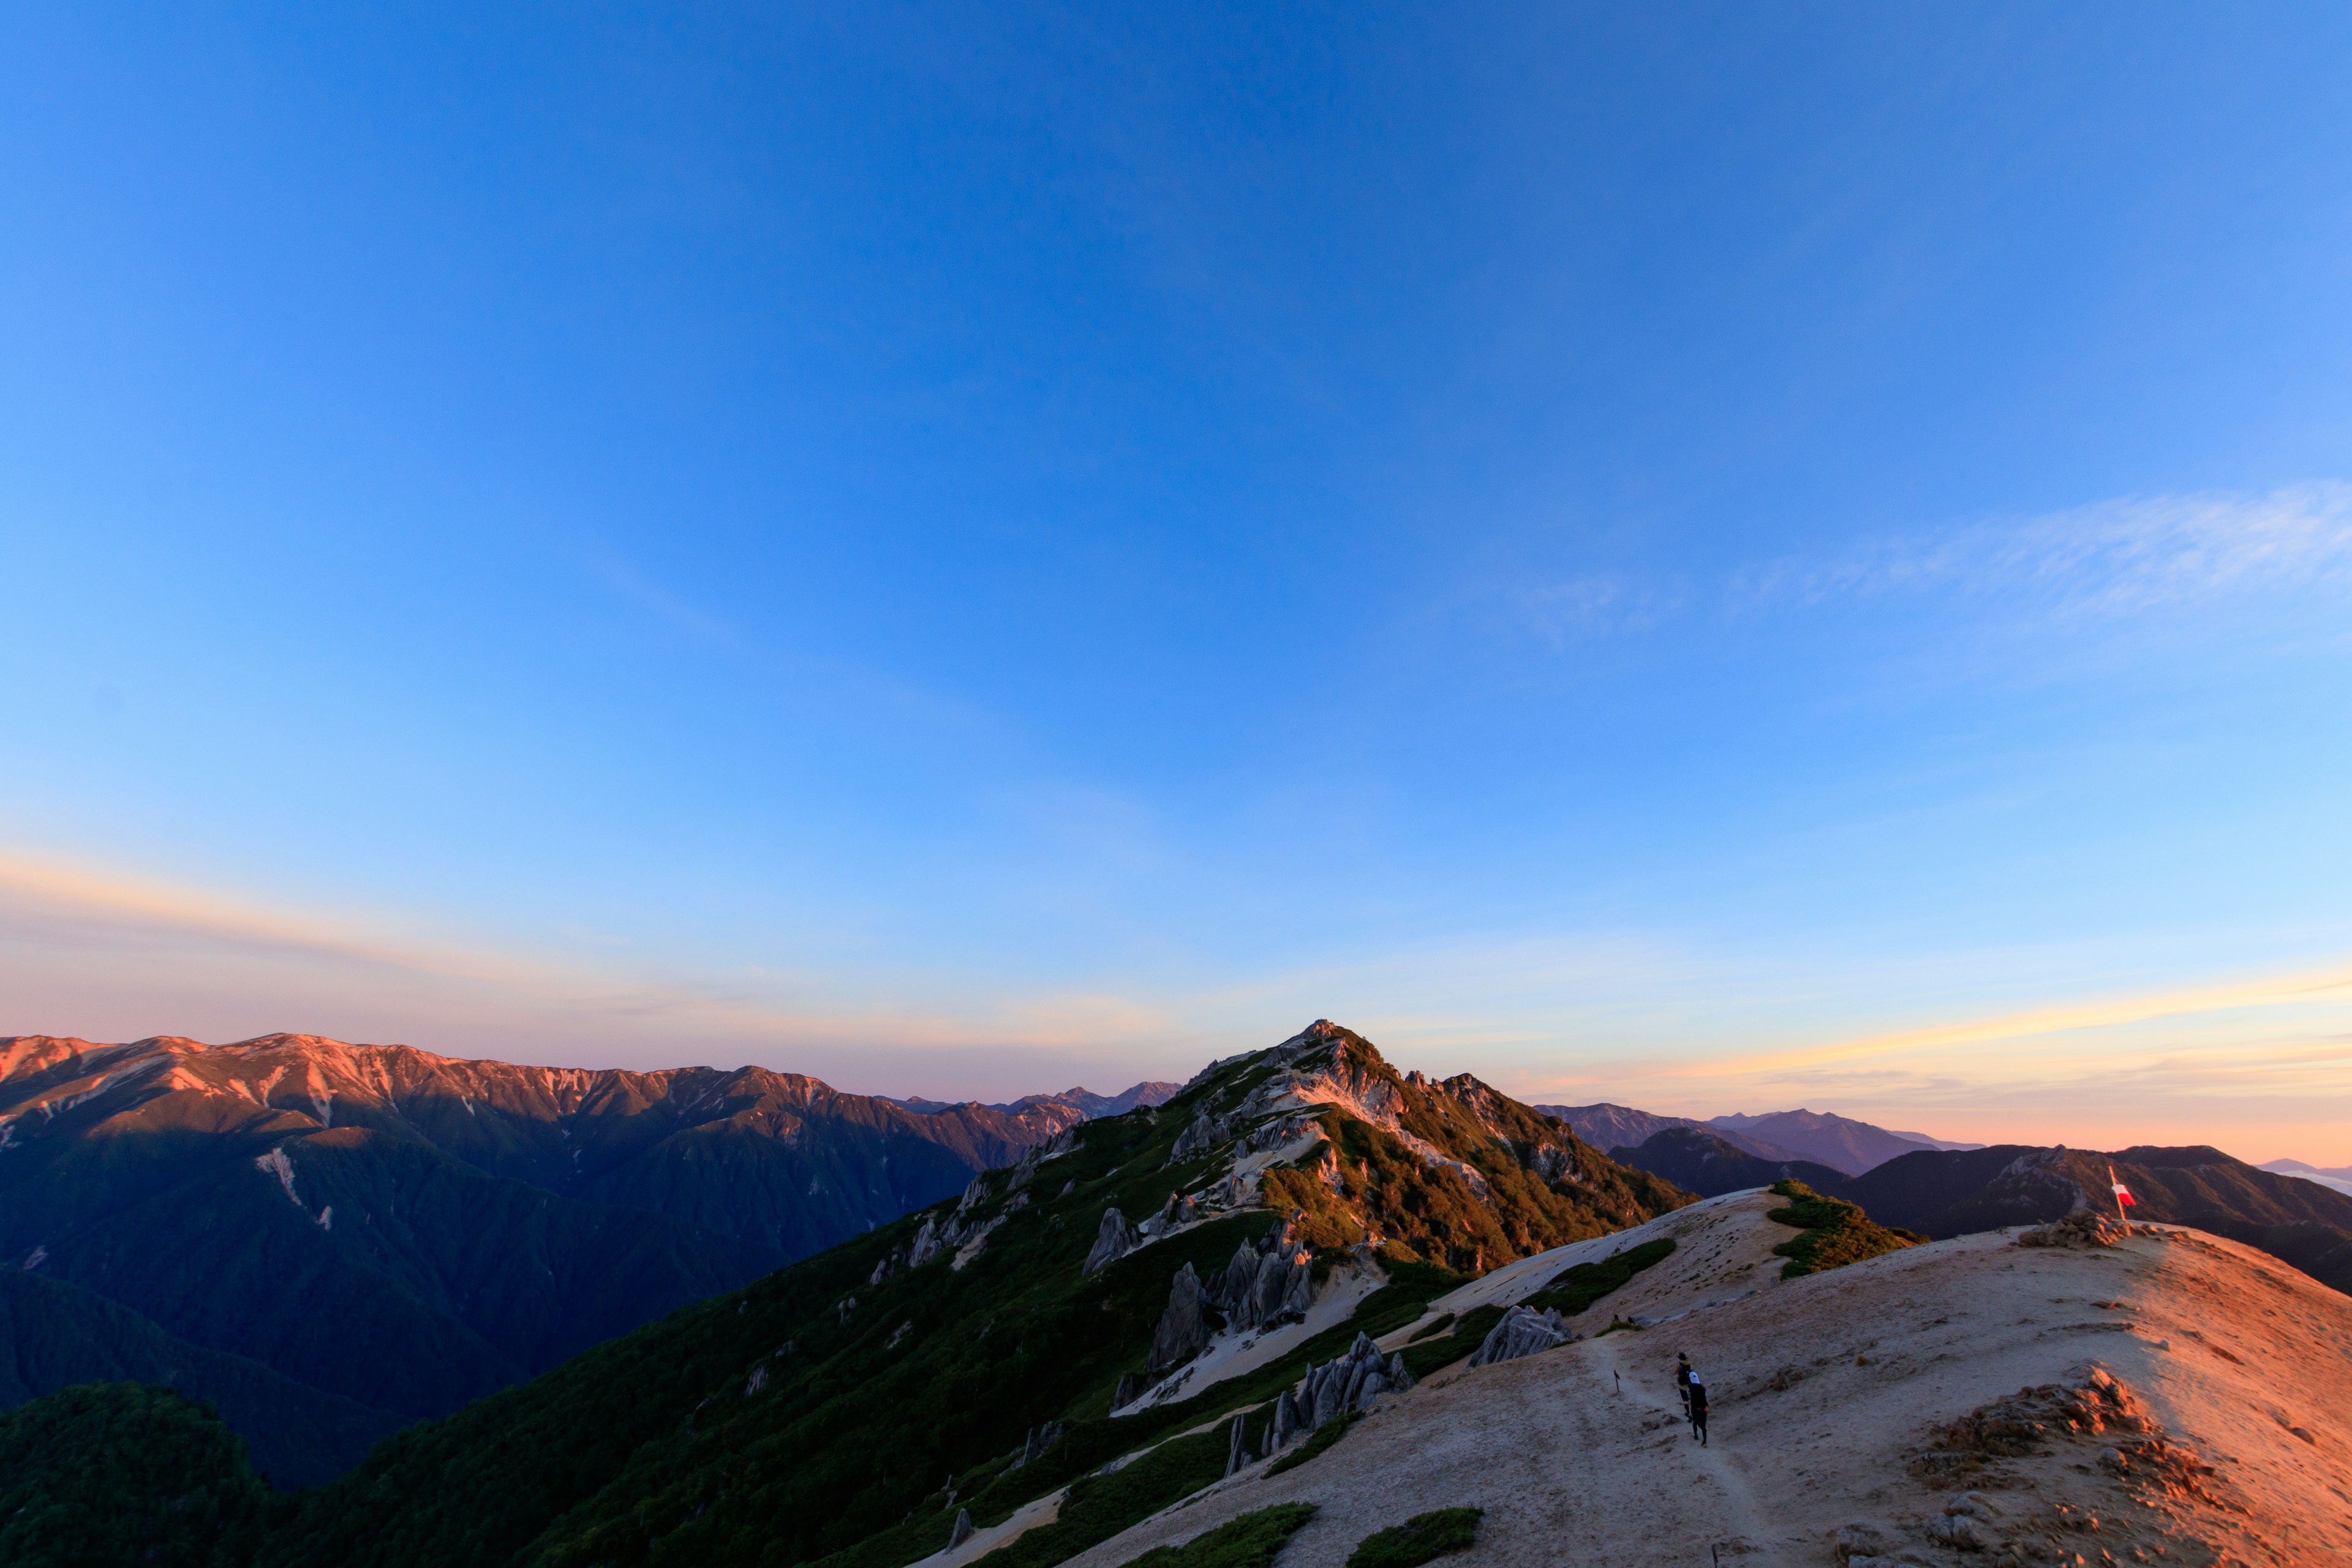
<point x="1265" y="1281"/>
<point x="1350" y="1383"/>
<point x="1523" y="1331"/>
<point x="964" y="1530"/>
<point x="1184" y="1328"/>
<point x="960" y="1238"/>
<point x="1237" y="1452"/>
<point x="1178" y="1210"/>
<point x="1551" y="1163"/>
<point x="2082" y="1228"/>
<point x="1275" y="1134"/>
<point x="1205" y="1133"/>
<point x="1286" y="1420"/>
<point x="1040" y="1439"/>
<point x="1114" y="1240"/>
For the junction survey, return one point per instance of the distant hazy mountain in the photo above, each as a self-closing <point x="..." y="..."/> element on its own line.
<point x="408" y="1232"/>
<point x="1838" y="1142"/>
<point x="1093" y="1105"/>
<point x="2339" y="1179"/>
<point x="1925" y="1142"/>
<point x="1076" y="1104"/>
<point x="1606" y="1126"/>
<point x="1709" y="1165"/>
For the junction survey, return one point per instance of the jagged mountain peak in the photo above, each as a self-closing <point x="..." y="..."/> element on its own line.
<point x="1324" y="1127"/>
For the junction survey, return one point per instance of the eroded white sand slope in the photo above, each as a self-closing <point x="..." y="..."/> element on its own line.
<point x="1829" y="1395"/>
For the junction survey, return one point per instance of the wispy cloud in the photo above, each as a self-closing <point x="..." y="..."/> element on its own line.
<point x="2110" y="560"/>
<point x="2333" y="986"/>
<point x="1598" y="605"/>
<point x="2119" y="557"/>
<point x="626" y="580"/>
<point x="96" y="952"/>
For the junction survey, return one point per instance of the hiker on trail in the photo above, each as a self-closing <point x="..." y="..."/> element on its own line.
<point x="1696" y="1396"/>
<point x="1683" y="1378"/>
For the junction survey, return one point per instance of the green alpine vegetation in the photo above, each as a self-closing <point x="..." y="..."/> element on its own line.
<point x="118" y="1473"/>
<point x="1421" y="1538"/>
<point x="1834" y="1232"/>
<point x="1573" y="1289"/>
<point x="1321" y="1442"/>
<point x="1249" y="1542"/>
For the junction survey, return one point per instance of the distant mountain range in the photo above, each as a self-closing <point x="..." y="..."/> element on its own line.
<point x="1709" y="1163"/>
<point x="331" y="1241"/>
<point x="1079" y="1104"/>
<point x="2339" y="1179"/>
<point x="1951" y="1192"/>
<point x="1840" y="1142"/>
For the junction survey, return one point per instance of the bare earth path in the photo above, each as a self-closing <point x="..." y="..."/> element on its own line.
<point x="1828" y="1396"/>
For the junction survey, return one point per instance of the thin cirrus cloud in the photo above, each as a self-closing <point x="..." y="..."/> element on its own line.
<point x="2101" y="562"/>
<point x="2119" y="557"/>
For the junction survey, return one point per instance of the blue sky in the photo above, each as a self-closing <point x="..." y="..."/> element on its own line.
<point x="1710" y="557"/>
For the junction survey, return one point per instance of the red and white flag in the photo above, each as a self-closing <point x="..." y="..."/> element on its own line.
<point x="2123" y="1194"/>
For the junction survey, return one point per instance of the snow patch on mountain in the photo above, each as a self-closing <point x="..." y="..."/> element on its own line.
<point x="278" y="1165"/>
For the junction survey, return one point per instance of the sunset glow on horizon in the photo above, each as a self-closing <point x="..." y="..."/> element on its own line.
<point x="1715" y="560"/>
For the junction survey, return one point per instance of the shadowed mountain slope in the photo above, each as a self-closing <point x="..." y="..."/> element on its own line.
<point x="1710" y="1165"/>
<point x="776" y="1159"/>
<point x="408" y="1232"/>
<point x="1607" y="1126"/>
<point x="54" y="1335"/>
<point x="118" y="1473"/>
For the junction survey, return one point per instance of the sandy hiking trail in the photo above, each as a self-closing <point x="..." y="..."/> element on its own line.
<point x="2226" y="1440"/>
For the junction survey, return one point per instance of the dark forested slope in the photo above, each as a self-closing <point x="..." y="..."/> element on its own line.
<point x="117" y="1473"/>
<point x="54" y="1335"/>
<point x="408" y="1232"/>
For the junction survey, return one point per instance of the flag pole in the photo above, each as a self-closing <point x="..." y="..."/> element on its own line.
<point x="2121" y="1217"/>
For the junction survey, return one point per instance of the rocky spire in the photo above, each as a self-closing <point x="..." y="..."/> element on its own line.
<point x="1285" y="1421"/>
<point x="1113" y="1241"/>
<point x="1351" y="1382"/>
<point x="1184" y="1327"/>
